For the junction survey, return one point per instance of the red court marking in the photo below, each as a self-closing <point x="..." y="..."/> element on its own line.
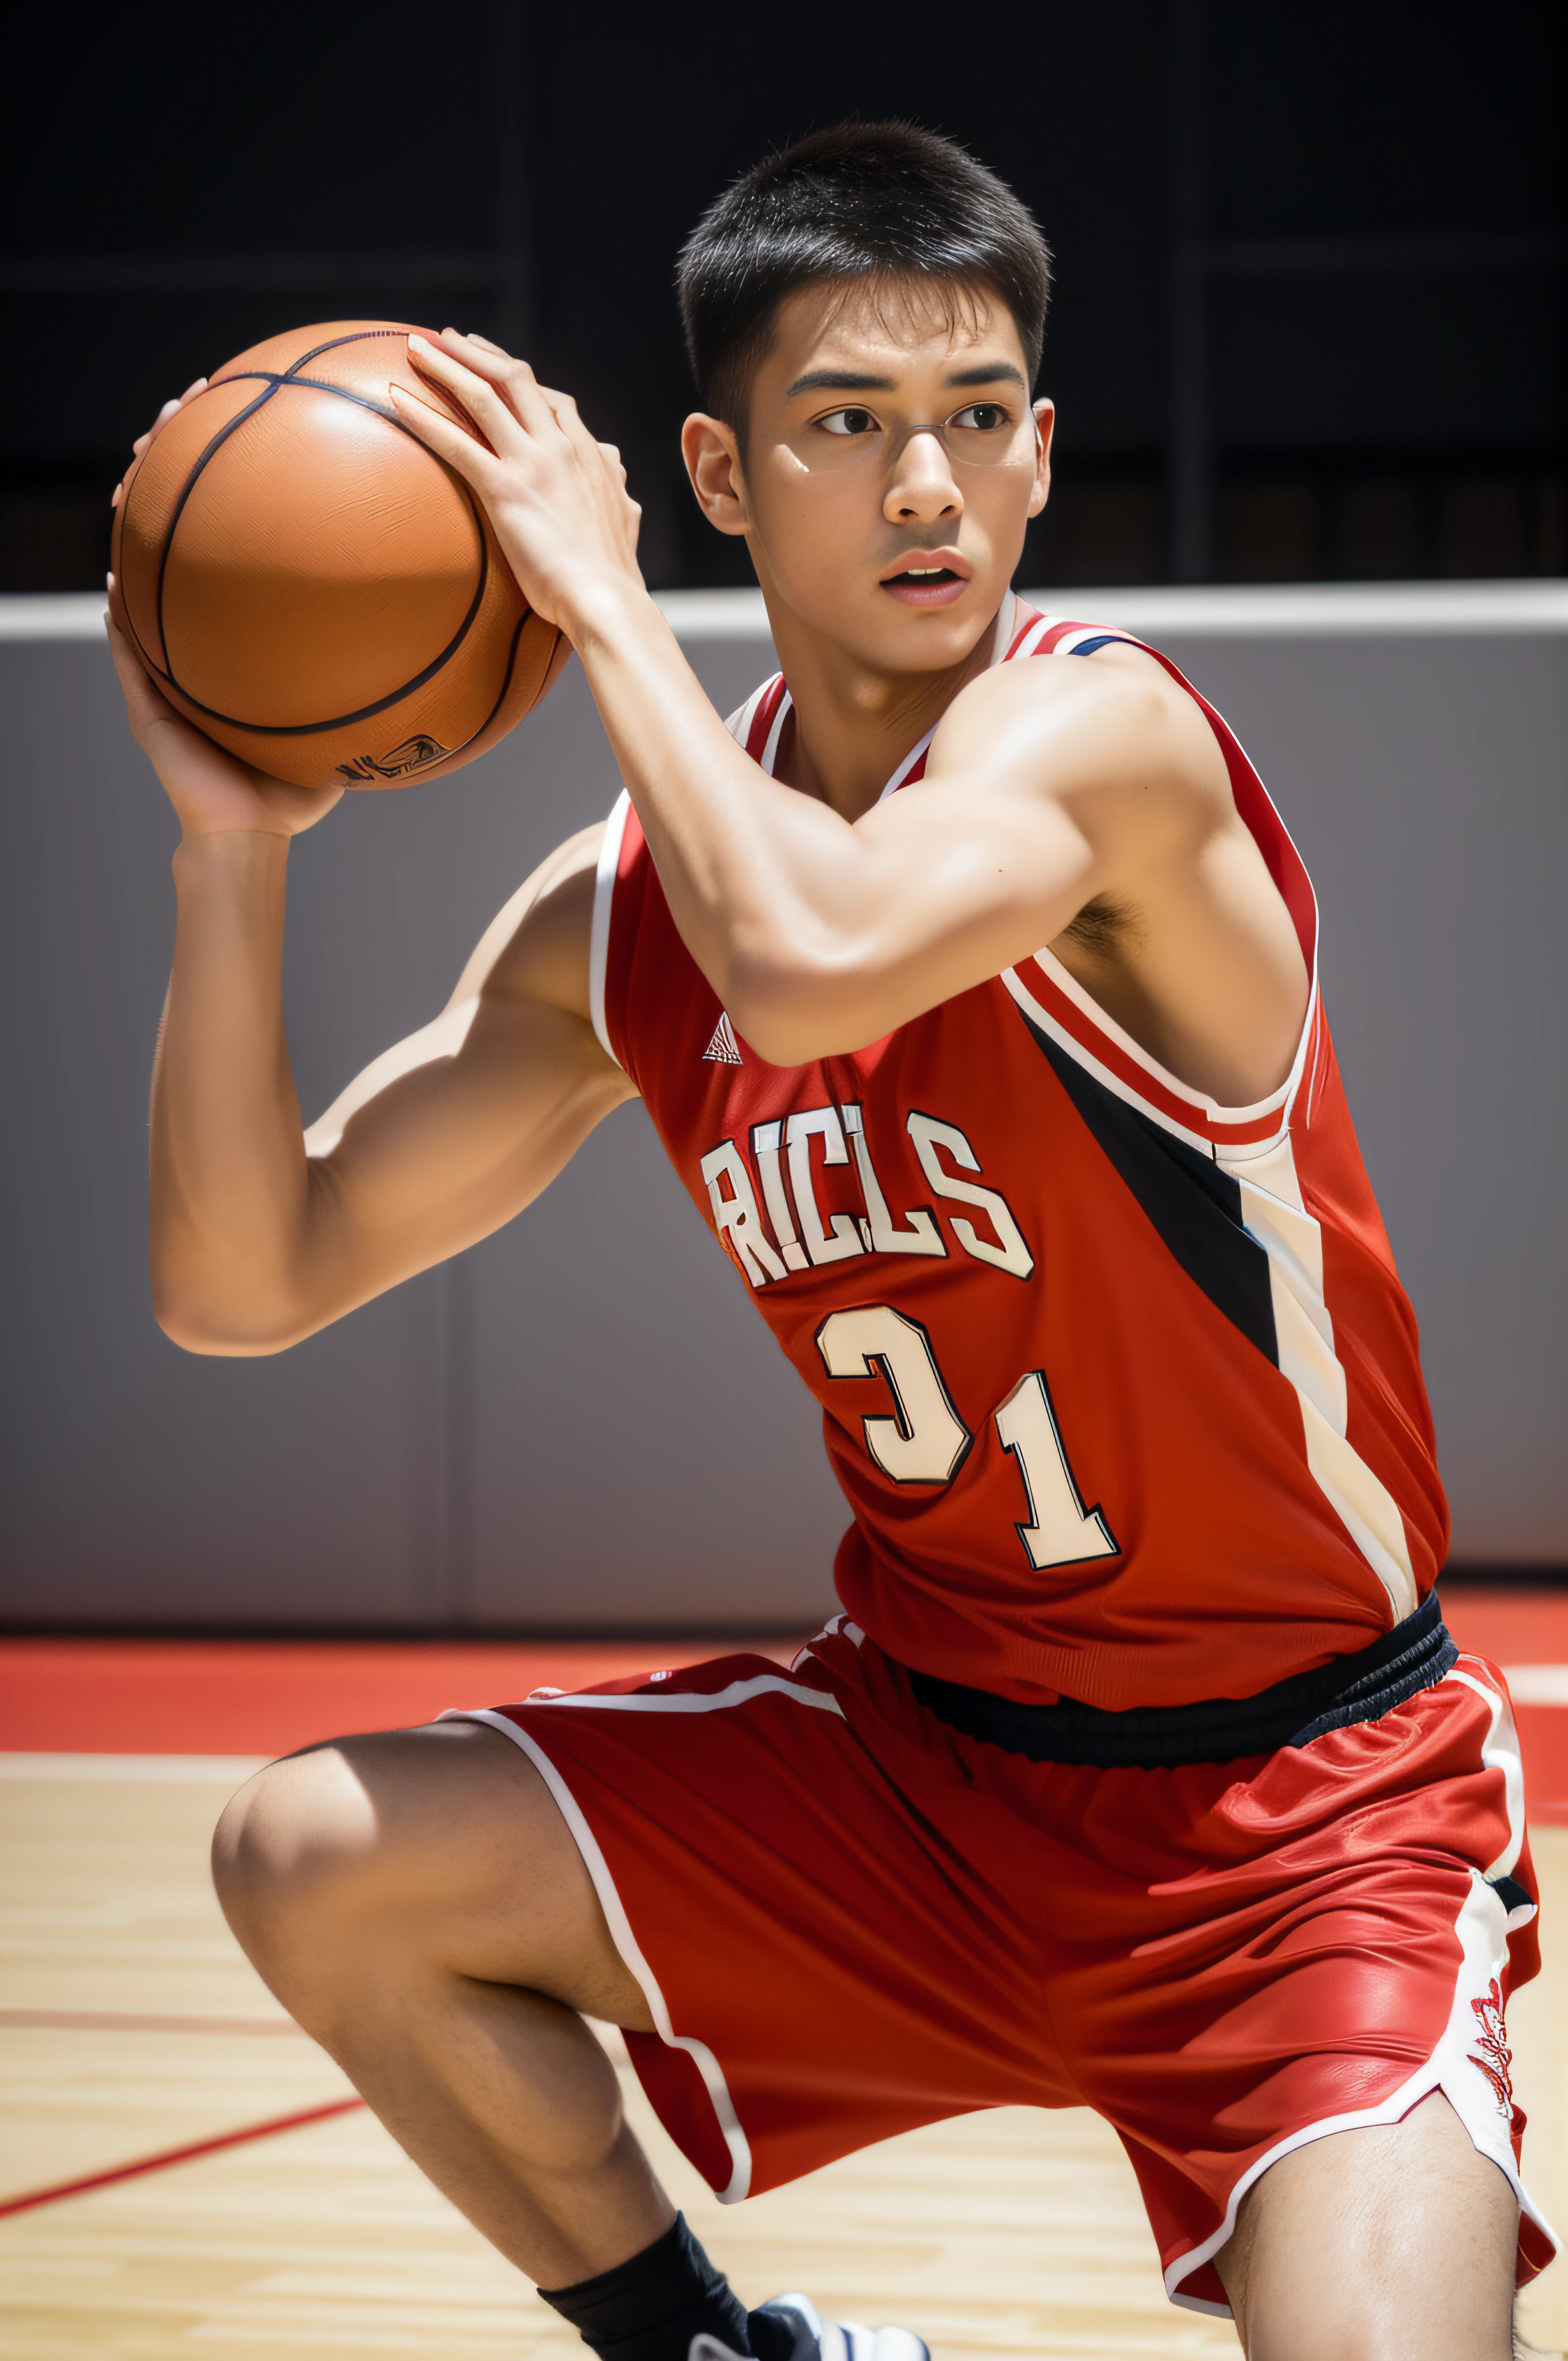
<point x="267" y="1697"/>
<point x="168" y="2155"/>
<point x="1522" y="1626"/>
<point x="1511" y="1625"/>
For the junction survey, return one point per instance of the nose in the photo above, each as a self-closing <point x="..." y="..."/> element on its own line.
<point x="921" y="486"/>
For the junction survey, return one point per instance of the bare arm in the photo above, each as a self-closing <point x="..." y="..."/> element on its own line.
<point x="263" y="1233"/>
<point x="1049" y="787"/>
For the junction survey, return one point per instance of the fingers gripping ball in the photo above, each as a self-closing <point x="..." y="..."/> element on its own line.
<point x="314" y="588"/>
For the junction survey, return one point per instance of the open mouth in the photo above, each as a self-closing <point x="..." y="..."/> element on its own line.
<point x="925" y="586"/>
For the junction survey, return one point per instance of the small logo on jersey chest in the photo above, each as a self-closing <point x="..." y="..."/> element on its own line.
<point x="724" y="1049"/>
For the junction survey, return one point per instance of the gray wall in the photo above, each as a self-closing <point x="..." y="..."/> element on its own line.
<point x="581" y="1423"/>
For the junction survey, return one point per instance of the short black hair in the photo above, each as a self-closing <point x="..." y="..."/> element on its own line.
<point x="873" y="202"/>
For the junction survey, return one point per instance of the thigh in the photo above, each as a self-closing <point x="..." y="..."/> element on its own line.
<point x="441" y="1845"/>
<point x="815" y="1907"/>
<point x="1327" y="1937"/>
<point x="1376" y="2244"/>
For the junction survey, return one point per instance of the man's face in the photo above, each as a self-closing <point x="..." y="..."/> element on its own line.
<point x="895" y="542"/>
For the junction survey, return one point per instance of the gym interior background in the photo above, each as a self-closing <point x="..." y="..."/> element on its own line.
<point x="1309" y="329"/>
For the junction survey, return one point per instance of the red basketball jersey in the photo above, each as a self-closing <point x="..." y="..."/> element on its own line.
<point x="1120" y="1384"/>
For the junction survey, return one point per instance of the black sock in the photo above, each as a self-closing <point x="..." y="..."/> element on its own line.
<point x="649" y="2308"/>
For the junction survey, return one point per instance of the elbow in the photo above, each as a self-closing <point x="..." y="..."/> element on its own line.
<point x="219" y="1331"/>
<point x="793" y="1010"/>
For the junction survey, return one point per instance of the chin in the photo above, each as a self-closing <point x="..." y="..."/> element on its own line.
<point x="934" y="640"/>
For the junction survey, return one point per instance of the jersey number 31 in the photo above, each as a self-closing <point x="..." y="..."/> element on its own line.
<point x="925" y="1441"/>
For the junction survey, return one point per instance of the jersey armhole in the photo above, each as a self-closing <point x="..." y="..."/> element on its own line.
<point x="604" y="899"/>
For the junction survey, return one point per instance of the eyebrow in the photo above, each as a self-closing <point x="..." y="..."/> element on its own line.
<point x="832" y="380"/>
<point x="987" y="373"/>
<point x="837" y="380"/>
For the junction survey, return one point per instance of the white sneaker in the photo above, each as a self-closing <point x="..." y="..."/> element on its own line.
<point x="819" y="2340"/>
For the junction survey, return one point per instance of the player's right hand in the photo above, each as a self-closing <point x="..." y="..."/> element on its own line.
<point x="214" y="792"/>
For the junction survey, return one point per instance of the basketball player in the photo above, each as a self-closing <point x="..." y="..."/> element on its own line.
<point x="970" y="979"/>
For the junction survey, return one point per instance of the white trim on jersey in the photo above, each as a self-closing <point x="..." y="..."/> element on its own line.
<point x="1482" y="1930"/>
<point x="1034" y="635"/>
<point x="628" y="1947"/>
<point x="738" y="723"/>
<point x="915" y="754"/>
<point x="696" y="1700"/>
<point x="770" y="753"/>
<point x="1276" y="1216"/>
<point x="1277" y="1101"/>
<point x="599" y="935"/>
<point x="1273" y="1209"/>
<point x="1500" y="1752"/>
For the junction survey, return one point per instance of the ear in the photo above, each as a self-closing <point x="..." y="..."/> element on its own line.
<point x="1045" y="426"/>
<point x="713" y="462"/>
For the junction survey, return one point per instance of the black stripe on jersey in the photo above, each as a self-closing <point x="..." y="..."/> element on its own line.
<point x="1195" y="1206"/>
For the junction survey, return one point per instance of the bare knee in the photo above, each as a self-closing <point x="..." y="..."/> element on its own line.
<point x="408" y="1855"/>
<point x="290" y="1843"/>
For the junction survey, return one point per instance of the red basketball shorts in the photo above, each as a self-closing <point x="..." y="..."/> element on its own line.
<point x="848" y="1920"/>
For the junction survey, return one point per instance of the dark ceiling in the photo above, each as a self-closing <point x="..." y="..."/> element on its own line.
<point x="1310" y="300"/>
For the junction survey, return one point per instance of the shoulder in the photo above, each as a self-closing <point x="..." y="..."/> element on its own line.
<point x="1113" y="718"/>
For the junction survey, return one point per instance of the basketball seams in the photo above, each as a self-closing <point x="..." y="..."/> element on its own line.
<point x="365" y="712"/>
<point x="488" y="722"/>
<point x="186" y="489"/>
<point x="518" y="679"/>
<point x="276" y="384"/>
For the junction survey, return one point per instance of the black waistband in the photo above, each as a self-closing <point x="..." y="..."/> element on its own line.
<point x="1359" y="1687"/>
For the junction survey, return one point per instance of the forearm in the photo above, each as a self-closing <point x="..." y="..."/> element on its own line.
<point x="230" y="1185"/>
<point x="737" y="856"/>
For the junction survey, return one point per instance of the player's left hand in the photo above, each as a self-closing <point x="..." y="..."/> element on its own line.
<point x="557" y="498"/>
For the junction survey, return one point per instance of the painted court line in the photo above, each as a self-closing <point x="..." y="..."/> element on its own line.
<point x="109" y="2020"/>
<point x="168" y="2155"/>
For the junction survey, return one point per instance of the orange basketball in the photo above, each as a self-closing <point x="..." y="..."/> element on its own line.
<point x="311" y="585"/>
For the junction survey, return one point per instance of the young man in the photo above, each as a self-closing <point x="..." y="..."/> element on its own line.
<point x="1139" y="1771"/>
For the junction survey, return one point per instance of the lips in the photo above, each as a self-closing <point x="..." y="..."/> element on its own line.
<point x="928" y="577"/>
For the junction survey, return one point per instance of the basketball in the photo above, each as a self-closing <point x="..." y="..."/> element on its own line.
<point x="311" y="585"/>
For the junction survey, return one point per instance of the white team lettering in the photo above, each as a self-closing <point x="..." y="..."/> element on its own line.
<point x="735" y="1215"/>
<point x="921" y="1236"/>
<point x="1059" y="1530"/>
<point x="925" y="1441"/>
<point x="841" y="1236"/>
<point x="804" y="1235"/>
<point x="767" y="1139"/>
<point x="1010" y="1253"/>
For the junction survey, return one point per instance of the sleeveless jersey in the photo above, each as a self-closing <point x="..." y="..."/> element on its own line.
<point x="1120" y="1384"/>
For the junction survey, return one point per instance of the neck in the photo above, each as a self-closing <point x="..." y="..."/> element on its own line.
<point x="852" y="725"/>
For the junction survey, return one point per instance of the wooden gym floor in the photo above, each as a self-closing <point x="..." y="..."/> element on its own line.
<point x="131" y="2026"/>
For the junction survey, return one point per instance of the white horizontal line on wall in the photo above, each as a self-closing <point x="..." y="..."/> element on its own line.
<point x="1272" y="611"/>
<point x="1537" y="1684"/>
<point x="1321" y="610"/>
<point x="164" y="1769"/>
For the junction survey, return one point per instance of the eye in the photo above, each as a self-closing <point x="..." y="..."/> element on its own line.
<point x="983" y="417"/>
<point x="848" y="422"/>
